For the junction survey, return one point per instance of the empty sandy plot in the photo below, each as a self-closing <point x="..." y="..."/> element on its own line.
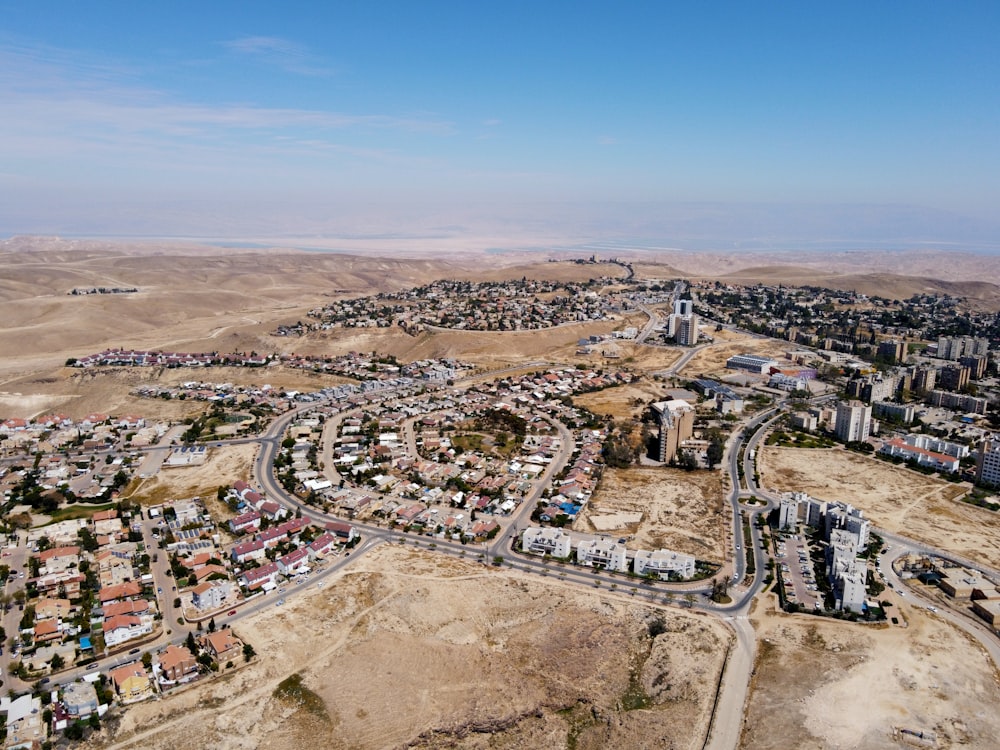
<point x="223" y="466"/>
<point x="623" y="401"/>
<point x="823" y="684"/>
<point x="682" y="511"/>
<point x="398" y="657"/>
<point x="894" y="498"/>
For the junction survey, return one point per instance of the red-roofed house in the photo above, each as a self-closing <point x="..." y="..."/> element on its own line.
<point x="252" y="550"/>
<point x="121" y="591"/>
<point x="131" y="683"/>
<point x="345" y="531"/>
<point x="294" y="562"/>
<point x="47" y="630"/>
<point x="249" y="521"/>
<point x="262" y="577"/>
<point x="177" y="664"/>
<point x="322" y="545"/>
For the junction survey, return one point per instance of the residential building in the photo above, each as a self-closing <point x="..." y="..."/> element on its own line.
<point x="177" y="664"/>
<point x="122" y="628"/>
<point x="79" y="699"/>
<point x="294" y="562"/>
<point x="676" y="424"/>
<point x="211" y="594"/>
<point x="850" y="590"/>
<point x="546" y="541"/>
<point x="988" y="462"/>
<point x="902" y="413"/>
<point x="955" y="347"/>
<point x="602" y="553"/>
<point x="853" y="420"/>
<point x="924" y="379"/>
<point x="131" y="683"/>
<point x="249" y="521"/>
<point x="892" y="352"/>
<point x="686" y="330"/>
<point x="664" y="563"/>
<point x="954" y="377"/>
<point x="252" y="550"/>
<point x="263" y="577"/>
<point x="958" y="401"/>
<point x="223" y="645"/>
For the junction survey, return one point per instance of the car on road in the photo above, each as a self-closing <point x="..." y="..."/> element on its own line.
<point x="231" y="612"/>
<point x="279" y="602"/>
<point x="134" y="651"/>
<point x="159" y="590"/>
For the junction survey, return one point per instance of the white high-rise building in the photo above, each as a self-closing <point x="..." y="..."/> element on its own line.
<point x="853" y="420"/>
<point x="683" y="307"/>
<point x="988" y="462"/>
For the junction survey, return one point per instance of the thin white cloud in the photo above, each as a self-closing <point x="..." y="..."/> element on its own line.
<point x="55" y="106"/>
<point x="280" y="53"/>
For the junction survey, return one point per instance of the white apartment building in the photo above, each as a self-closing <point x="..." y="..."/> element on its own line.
<point x="988" y="462"/>
<point x="663" y="562"/>
<point x="602" y="553"/>
<point x="546" y="541"/>
<point x="853" y="421"/>
<point x="850" y="590"/>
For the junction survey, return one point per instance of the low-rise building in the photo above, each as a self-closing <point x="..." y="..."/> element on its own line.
<point x="177" y="664"/>
<point x="602" y="553"/>
<point x="664" y="563"/>
<point x="546" y="541"/>
<point x="131" y="683"/>
<point x="79" y="699"/>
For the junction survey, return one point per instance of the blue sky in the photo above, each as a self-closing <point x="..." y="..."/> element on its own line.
<point x="583" y="119"/>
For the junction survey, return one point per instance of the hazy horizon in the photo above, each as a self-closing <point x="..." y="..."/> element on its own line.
<point x="571" y="123"/>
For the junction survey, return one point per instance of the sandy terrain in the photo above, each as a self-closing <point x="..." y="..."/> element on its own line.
<point x="223" y="466"/>
<point x="821" y="684"/>
<point x="711" y="361"/>
<point x="415" y="650"/>
<point x="624" y="401"/>
<point x="894" y="498"/>
<point x="683" y="511"/>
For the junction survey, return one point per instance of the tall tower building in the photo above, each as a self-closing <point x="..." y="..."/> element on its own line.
<point x="686" y="330"/>
<point x="853" y="419"/>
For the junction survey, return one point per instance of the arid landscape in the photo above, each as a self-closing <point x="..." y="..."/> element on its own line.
<point x="822" y="684"/>
<point x="408" y="648"/>
<point x="414" y="650"/>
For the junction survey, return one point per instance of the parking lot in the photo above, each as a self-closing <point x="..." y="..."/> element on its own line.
<point x="797" y="572"/>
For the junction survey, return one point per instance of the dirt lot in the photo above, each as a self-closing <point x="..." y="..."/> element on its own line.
<point x="894" y="498"/>
<point x="711" y="361"/>
<point x="222" y="467"/>
<point x="680" y="510"/>
<point x="415" y="650"/>
<point x="624" y="401"/>
<point x="824" y="684"/>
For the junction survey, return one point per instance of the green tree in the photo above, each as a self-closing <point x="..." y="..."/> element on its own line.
<point x="57" y="663"/>
<point x="248" y="652"/>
